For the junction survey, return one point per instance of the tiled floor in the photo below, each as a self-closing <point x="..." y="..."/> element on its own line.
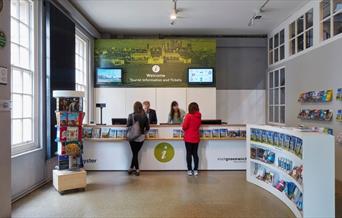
<point x="156" y="194"/>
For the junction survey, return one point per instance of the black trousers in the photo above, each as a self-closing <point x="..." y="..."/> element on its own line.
<point x="191" y="151"/>
<point x="135" y="147"/>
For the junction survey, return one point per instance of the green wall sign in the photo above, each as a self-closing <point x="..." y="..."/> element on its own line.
<point x="164" y="152"/>
<point x="2" y="39"/>
<point x="155" y="62"/>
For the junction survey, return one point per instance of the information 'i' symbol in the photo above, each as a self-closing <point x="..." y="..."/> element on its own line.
<point x="164" y="152"/>
<point x="155" y="68"/>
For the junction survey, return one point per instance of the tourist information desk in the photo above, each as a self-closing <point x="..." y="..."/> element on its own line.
<point x="222" y="147"/>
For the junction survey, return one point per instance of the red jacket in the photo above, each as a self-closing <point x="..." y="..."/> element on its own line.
<point x="191" y="127"/>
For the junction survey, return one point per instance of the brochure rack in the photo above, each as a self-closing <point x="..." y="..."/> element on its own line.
<point x="297" y="167"/>
<point x="69" y="174"/>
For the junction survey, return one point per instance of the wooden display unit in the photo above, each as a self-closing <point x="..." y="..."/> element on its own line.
<point x="66" y="180"/>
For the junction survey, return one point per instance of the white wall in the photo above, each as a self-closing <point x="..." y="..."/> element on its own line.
<point x="28" y="172"/>
<point x="314" y="69"/>
<point x="241" y="64"/>
<point x="29" y="169"/>
<point x="120" y="101"/>
<point x="5" y="120"/>
<point x="241" y="106"/>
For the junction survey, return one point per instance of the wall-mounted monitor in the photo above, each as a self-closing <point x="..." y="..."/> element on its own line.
<point x="201" y="76"/>
<point x="108" y="77"/>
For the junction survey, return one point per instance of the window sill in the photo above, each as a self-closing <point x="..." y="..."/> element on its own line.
<point x="276" y="124"/>
<point x="22" y="153"/>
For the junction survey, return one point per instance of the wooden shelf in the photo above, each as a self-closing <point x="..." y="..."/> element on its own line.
<point x="162" y="139"/>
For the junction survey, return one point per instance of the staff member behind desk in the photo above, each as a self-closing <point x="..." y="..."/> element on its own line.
<point x="191" y="127"/>
<point x="137" y="116"/>
<point x="150" y="113"/>
<point x="176" y="114"/>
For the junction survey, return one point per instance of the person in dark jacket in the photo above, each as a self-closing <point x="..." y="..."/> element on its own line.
<point x="150" y="113"/>
<point x="191" y="127"/>
<point x="137" y="116"/>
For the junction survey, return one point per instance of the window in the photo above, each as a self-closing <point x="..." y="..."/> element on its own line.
<point x="24" y="91"/>
<point x="330" y="18"/>
<point x="301" y="33"/>
<point x="82" y="72"/>
<point x="276" y="96"/>
<point x="276" y="48"/>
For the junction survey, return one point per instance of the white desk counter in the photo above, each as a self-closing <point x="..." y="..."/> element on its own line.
<point x="222" y="147"/>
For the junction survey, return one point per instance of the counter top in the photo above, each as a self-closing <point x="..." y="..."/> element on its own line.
<point x="168" y="125"/>
<point x="161" y="139"/>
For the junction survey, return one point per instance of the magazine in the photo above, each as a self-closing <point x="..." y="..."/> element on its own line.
<point x="223" y="133"/>
<point x="87" y="132"/>
<point x="105" y="132"/>
<point x="73" y="133"/>
<point x="96" y="133"/>
<point x="62" y="118"/>
<point x="112" y="133"/>
<point x="216" y="133"/>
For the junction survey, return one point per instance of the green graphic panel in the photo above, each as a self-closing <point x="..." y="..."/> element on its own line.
<point x="2" y="39"/>
<point x="155" y="62"/>
<point x="164" y="152"/>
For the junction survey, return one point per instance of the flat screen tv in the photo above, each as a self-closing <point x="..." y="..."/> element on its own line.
<point x="201" y="76"/>
<point x="108" y="76"/>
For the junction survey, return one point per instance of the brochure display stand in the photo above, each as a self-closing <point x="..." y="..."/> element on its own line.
<point x="69" y="174"/>
<point x="297" y="167"/>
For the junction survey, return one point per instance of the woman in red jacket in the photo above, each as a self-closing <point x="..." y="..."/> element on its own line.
<point x="191" y="127"/>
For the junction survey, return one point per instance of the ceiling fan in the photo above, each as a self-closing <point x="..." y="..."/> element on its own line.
<point x="258" y="13"/>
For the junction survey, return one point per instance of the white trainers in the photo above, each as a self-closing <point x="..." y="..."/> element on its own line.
<point x="195" y="172"/>
<point x="189" y="173"/>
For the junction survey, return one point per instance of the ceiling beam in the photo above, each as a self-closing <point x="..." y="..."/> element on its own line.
<point x="79" y="18"/>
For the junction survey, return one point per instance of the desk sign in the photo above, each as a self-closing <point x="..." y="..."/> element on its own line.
<point x="3" y="76"/>
<point x="2" y="39"/>
<point x="5" y="105"/>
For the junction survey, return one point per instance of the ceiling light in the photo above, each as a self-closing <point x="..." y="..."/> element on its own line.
<point x="173" y="16"/>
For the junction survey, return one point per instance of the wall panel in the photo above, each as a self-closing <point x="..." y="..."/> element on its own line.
<point x="139" y="94"/>
<point x="205" y="98"/>
<point x="164" y="98"/>
<point x="115" y="99"/>
<point x="120" y="101"/>
<point x="241" y="106"/>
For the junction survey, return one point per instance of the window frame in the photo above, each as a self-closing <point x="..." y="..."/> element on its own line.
<point x="79" y="34"/>
<point x="34" y="69"/>
<point x="303" y="33"/>
<point x="329" y="18"/>
<point x="276" y="49"/>
<point x="272" y="89"/>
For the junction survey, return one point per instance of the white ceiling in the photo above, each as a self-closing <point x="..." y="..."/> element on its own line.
<point x="201" y="17"/>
